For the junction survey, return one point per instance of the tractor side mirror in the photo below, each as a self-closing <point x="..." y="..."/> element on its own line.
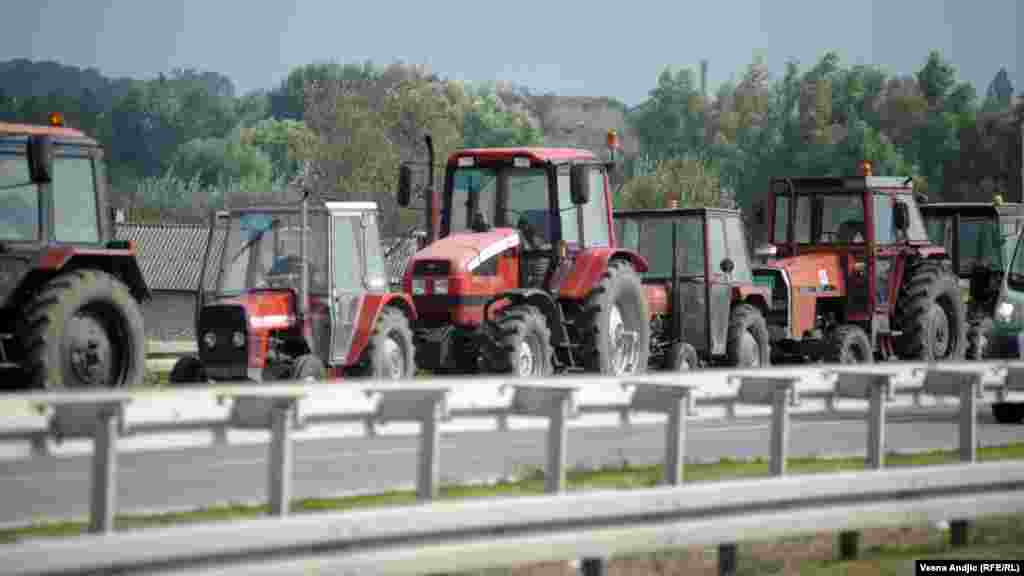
<point x="901" y="216"/>
<point x="727" y="265"/>
<point x="40" y="158"/>
<point x="404" y="185"/>
<point x="580" y="184"/>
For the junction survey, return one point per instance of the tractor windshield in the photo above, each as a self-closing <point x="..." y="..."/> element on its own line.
<point x="19" y="200"/>
<point x="982" y="241"/>
<point x="261" y="250"/>
<point x="652" y="239"/>
<point x="478" y="190"/>
<point x="837" y="217"/>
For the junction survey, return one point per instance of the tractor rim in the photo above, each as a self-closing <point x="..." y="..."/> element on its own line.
<point x="525" y="359"/>
<point x="616" y="327"/>
<point x="940" y="332"/>
<point x="749" y="350"/>
<point x="91" y="354"/>
<point x="684" y="362"/>
<point x="394" y="359"/>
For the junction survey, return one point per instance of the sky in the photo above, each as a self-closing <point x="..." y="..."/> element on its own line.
<point x="567" y="47"/>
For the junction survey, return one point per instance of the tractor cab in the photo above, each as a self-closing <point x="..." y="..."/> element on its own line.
<point x="704" y="306"/>
<point x="980" y="238"/>
<point x="70" y="293"/>
<point x="850" y="254"/>
<point x="529" y="231"/>
<point x="299" y="293"/>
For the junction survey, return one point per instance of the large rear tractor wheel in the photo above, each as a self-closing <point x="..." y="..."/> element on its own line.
<point x="850" y="344"/>
<point x="615" y="324"/>
<point x="83" y="329"/>
<point x="931" y="315"/>
<point x="390" y="354"/>
<point x="187" y="370"/>
<point x="747" y="345"/>
<point x="1008" y="412"/>
<point x="522" y="343"/>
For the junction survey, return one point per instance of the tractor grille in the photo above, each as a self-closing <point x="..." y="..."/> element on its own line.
<point x="224" y="360"/>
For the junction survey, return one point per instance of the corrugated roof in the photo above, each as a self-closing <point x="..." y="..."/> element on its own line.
<point x="171" y="255"/>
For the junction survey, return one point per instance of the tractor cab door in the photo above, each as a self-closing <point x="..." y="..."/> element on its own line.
<point x="347" y="271"/>
<point x="728" y="266"/>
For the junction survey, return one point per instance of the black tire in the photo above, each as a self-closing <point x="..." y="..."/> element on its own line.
<point x="681" y="357"/>
<point x="977" y="339"/>
<point x="1008" y="412"/>
<point x="522" y="342"/>
<point x="187" y="370"/>
<point x="931" y="315"/>
<point x="90" y="308"/>
<point x="620" y="286"/>
<point x="390" y="353"/>
<point x="746" y="323"/>
<point x="850" y="344"/>
<point x="308" y="366"/>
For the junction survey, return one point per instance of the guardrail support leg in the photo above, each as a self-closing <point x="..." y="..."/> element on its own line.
<point x="876" y="427"/>
<point x="104" y="472"/>
<point x="960" y="529"/>
<point x="554" y="477"/>
<point x="281" y="460"/>
<point x="727" y="560"/>
<point x="849" y="545"/>
<point x="675" y="441"/>
<point x="430" y="457"/>
<point x="780" y="432"/>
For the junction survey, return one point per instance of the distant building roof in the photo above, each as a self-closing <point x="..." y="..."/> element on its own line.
<point x="171" y="255"/>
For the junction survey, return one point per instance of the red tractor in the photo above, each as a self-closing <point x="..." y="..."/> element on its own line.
<point x="521" y="272"/>
<point x="289" y="305"/>
<point x="855" y="275"/>
<point x="69" y="293"/>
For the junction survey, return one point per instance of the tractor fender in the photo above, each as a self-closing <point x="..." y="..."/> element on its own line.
<point x="590" y="265"/>
<point x="543" y="301"/>
<point x="369" y="311"/>
<point x="758" y="296"/>
<point x="118" y="262"/>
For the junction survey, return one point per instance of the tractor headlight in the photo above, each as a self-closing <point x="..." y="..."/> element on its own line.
<point x="441" y="286"/>
<point x="210" y="339"/>
<point x="1004" y="312"/>
<point x="238" y="339"/>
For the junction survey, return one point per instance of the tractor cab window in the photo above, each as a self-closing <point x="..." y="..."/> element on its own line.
<point x="74" y="200"/>
<point x="842" y="219"/>
<point x="376" y="275"/>
<point x="262" y="251"/>
<point x="568" y="213"/>
<point x="347" y="277"/>
<point x="473" y="189"/>
<point x="595" y="212"/>
<point x="980" y="244"/>
<point x="19" y="201"/>
<point x="527" y="202"/>
<point x="652" y="239"/>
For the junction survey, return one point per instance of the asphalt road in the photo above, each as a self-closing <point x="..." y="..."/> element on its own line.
<point x="51" y="488"/>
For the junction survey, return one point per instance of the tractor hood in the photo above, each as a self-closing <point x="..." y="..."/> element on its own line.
<point x="265" y="309"/>
<point x="462" y="253"/>
<point x="810" y="272"/>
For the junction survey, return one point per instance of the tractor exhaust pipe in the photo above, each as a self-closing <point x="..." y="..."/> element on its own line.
<point x="300" y="307"/>
<point x="430" y="193"/>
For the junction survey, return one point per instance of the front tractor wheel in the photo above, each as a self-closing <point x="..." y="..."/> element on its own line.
<point x="747" y="345"/>
<point x="522" y="343"/>
<point x="187" y="370"/>
<point x="977" y="339"/>
<point x="931" y="315"/>
<point x="390" y="353"/>
<point x="615" y="324"/>
<point x="83" y="329"/>
<point x="850" y="344"/>
<point x="681" y="357"/>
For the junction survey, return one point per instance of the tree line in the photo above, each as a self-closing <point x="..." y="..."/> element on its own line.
<point x="185" y="142"/>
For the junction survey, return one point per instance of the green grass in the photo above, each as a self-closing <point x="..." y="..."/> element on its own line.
<point x="531" y="482"/>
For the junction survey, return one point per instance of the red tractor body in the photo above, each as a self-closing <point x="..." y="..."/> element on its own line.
<point x="521" y="271"/>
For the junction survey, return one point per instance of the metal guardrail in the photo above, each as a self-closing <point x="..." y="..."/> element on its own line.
<point x="106" y="417"/>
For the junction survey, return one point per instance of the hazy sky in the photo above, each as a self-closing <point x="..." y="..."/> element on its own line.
<point x="571" y="48"/>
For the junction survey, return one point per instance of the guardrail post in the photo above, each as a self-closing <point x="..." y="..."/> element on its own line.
<point x="428" y="407"/>
<point x="101" y="418"/>
<point x="966" y="385"/>
<point x="673" y="400"/>
<point x="779" y="392"/>
<point x="557" y="404"/>
<point x="877" y="389"/>
<point x="278" y="411"/>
